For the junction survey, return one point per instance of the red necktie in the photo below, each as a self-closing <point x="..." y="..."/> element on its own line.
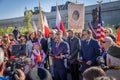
<point x="56" y="47"/>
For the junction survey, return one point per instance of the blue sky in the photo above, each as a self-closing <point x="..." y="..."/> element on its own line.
<point x="16" y="8"/>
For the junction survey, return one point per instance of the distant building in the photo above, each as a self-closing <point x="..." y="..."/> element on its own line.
<point x="110" y="15"/>
<point x="61" y="7"/>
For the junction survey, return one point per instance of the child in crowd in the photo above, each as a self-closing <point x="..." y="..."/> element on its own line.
<point x="38" y="55"/>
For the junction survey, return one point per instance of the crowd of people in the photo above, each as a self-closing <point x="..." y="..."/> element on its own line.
<point x="61" y="53"/>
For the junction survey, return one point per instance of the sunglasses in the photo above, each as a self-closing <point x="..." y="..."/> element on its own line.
<point x="105" y="41"/>
<point x="105" y="32"/>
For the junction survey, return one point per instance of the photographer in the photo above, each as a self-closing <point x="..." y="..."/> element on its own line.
<point x="2" y="68"/>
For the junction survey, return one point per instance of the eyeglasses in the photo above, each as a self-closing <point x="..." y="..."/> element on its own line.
<point x="105" y="32"/>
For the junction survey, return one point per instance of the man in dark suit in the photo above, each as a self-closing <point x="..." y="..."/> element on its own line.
<point x="42" y="41"/>
<point x="90" y="50"/>
<point x="74" y="44"/>
<point x="59" y="50"/>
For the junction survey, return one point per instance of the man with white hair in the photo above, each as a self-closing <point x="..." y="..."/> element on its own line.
<point x="112" y="57"/>
<point x="107" y="42"/>
<point x="113" y="61"/>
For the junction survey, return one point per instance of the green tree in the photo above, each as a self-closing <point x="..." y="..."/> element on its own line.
<point x="27" y="21"/>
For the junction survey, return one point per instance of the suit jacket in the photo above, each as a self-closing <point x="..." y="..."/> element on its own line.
<point x="62" y="48"/>
<point x="43" y="42"/>
<point x="74" y="44"/>
<point x="91" y="51"/>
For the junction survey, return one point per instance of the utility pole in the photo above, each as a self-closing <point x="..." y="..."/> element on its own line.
<point x="76" y="1"/>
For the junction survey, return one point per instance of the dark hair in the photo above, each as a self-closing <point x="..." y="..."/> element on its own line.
<point x="39" y="74"/>
<point x="92" y="73"/>
<point x="70" y="30"/>
<point x="88" y="31"/>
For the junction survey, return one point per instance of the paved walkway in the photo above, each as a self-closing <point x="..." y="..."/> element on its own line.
<point x="114" y="73"/>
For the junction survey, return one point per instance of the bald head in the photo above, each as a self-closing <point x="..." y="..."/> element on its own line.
<point x="109" y="39"/>
<point x="107" y="42"/>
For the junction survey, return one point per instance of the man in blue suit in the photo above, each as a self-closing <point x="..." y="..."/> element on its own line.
<point x="90" y="50"/>
<point x="59" y="51"/>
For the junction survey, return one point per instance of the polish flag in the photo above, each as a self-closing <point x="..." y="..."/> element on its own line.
<point x="35" y="29"/>
<point x="46" y="28"/>
<point x="118" y="37"/>
<point x="59" y="23"/>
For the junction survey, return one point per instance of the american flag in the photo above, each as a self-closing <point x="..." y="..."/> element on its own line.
<point x="100" y="29"/>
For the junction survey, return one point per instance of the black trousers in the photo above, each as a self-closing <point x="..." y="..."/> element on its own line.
<point x="74" y="70"/>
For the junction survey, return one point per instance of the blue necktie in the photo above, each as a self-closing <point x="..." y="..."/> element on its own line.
<point x="104" y="53"/>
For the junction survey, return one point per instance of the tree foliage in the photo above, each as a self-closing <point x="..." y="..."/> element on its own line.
<point x="27" y="22"/>
<point x="7" y="30"/>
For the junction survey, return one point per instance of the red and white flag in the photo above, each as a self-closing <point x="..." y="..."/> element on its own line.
<point x="46" y="29"/>
<point x="59" y="23"/>
<point x="35" y="28"/>
<point x="118" y="37"/>
<point x="100" y="33"/>
<point x="100" y="29"/>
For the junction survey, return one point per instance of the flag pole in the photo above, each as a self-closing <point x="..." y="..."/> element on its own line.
<point x="40" y="19"/>
<point x="99" y="15"/>
<point x="56" y="6"/>
<point x="76" y="1"/>
<point x="100" y="2"/>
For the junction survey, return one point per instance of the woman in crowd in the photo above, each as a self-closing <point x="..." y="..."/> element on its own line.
<point x="5" y="44"/>
<point x="27" y="35"/>
<point x="22" y="39"/>
<point x="30" y="42"/>
<point x="1" y="37"/>
<point x="11" y="38"/>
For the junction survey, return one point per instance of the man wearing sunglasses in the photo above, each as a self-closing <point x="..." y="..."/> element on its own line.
<point x="107" y="42"/>
<point x="112" y="57"/>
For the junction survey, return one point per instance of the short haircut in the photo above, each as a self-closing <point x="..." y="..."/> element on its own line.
<point x="70" y="30"/>
<point x="88" y="31"/>
<point x="92" y="73"/>
<point x="59" y="32"/>
<point x="39" y="74"/>
<point x="1" y="56"/>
